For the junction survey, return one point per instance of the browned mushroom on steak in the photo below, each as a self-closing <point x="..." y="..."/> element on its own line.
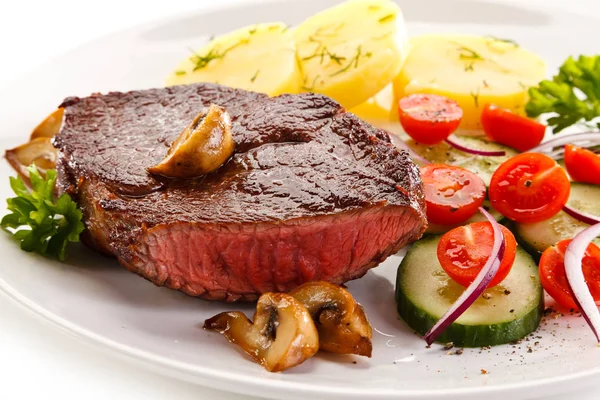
<point x="203" y="146"/>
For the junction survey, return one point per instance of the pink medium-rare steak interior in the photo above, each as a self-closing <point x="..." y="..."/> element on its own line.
<point x="257" y="259"/>
<point x="303" y="169"/>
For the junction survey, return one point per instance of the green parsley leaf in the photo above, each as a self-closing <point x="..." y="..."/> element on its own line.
<point x="573" y="95"/>
<point x="39" y="222"/>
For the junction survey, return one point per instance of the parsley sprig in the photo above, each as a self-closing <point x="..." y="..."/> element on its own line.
<point x="39" y="222"/>
<point x="573" y="95"/>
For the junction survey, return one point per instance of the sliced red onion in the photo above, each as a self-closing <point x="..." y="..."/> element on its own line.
<point x="559" y="141"/>
<point x="476" y="288"/>
<point x="476" y="152"/>
<point x="573" y="267"/>
<point x="581" y="216"/>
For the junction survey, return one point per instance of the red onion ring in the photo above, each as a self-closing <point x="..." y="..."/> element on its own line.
<point x="477" y="287"/>
<point x="581" y="216"/>
<point x="562" y="140"/>
<point x="573" y="267"/>
<point x="476" y="152"/>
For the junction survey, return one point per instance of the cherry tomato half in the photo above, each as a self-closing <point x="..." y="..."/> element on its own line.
<point x="463" y="251"/>
<point x="583" y="165"/>
<point x="504" y="126"/>
<point x="429" y="118"/>
<point x="529" y="187"/>
<point x="554" y="277"/>
<point x="452" y="194"/>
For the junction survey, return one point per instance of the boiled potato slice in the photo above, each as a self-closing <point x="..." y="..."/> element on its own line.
<point x="352" y="51"/>
<point x="260" y="57"/>
<point x="377" y="108"/>
<point x="473" y="70"/>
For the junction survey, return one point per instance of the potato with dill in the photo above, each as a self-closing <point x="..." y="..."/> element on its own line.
<point x="473" y="71"/>
<point x="259" y="57"/>
<point x="352" y="51"/>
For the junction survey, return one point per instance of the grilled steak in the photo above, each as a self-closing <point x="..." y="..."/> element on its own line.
<point x="311" y="192"/>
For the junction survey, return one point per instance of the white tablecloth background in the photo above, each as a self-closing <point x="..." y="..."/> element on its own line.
<point x="37" y="361"/>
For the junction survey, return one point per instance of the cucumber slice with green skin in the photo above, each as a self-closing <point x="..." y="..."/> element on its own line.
<point x="538" y="236"/>
<point x="424" y="292"/>
<point x="443" y="153"/>
<point x="438" y="229"/>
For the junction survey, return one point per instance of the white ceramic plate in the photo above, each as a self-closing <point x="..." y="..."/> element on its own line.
<point x="93" y="298"/>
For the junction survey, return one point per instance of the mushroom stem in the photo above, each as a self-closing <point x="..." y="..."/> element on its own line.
<point x="341" y="322"/>
<point x="282" y="335"/>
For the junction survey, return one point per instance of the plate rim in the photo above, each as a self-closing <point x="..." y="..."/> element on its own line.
<point x="221" y="379"/>
<point x="194" y="372"/>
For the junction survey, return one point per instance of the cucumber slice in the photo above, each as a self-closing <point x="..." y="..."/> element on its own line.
<point x="538" y="236"/>
<point x="437" y="229"/>
<point x="424" y="292"/>
<point x="443" y="153"/>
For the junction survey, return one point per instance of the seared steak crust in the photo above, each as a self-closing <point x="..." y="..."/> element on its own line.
<point x="311" y="192"/>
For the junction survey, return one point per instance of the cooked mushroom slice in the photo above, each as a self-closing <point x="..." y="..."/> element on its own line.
<point x="50" y="126"/>
<point x="342" y="323"/>
<point x="202" y="147"/>
<point x="283" y="334"/>
<point x="39" y="151"/>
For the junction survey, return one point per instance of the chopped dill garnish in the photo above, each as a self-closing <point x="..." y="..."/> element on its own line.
<point x="497" y="39"/>
<point x="353" y="61"/>
<point x="522" y="85"/>
<point x="468" y="54"/>
<point x="254" y="76"/>
<point x="334" y="57"/>
<point x="475" y="96"/>
<point x="201" y="61"/>
<point x="334" y="28"/>
<point x="325" y="53"/>
<point x="180" y="73"/>
<point x="253" y="30"/>
<point x="312" y="87"/>
<point x="389" y="17"/>
<point x="374" y="7"/>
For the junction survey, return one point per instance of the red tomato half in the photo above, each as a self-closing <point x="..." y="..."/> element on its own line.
<point x="463" y="252"/>
<point x="529" y="187"/>
<point x="429" y="118"/>
<point x="583" y="165"/>
<point x="554" y="277"/>
<point x="504" y="126"/>
<point x="452" y="194"/>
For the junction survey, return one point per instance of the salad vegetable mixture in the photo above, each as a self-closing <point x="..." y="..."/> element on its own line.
<point x="503" y="300"/>
<point x="510" y="215"/>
